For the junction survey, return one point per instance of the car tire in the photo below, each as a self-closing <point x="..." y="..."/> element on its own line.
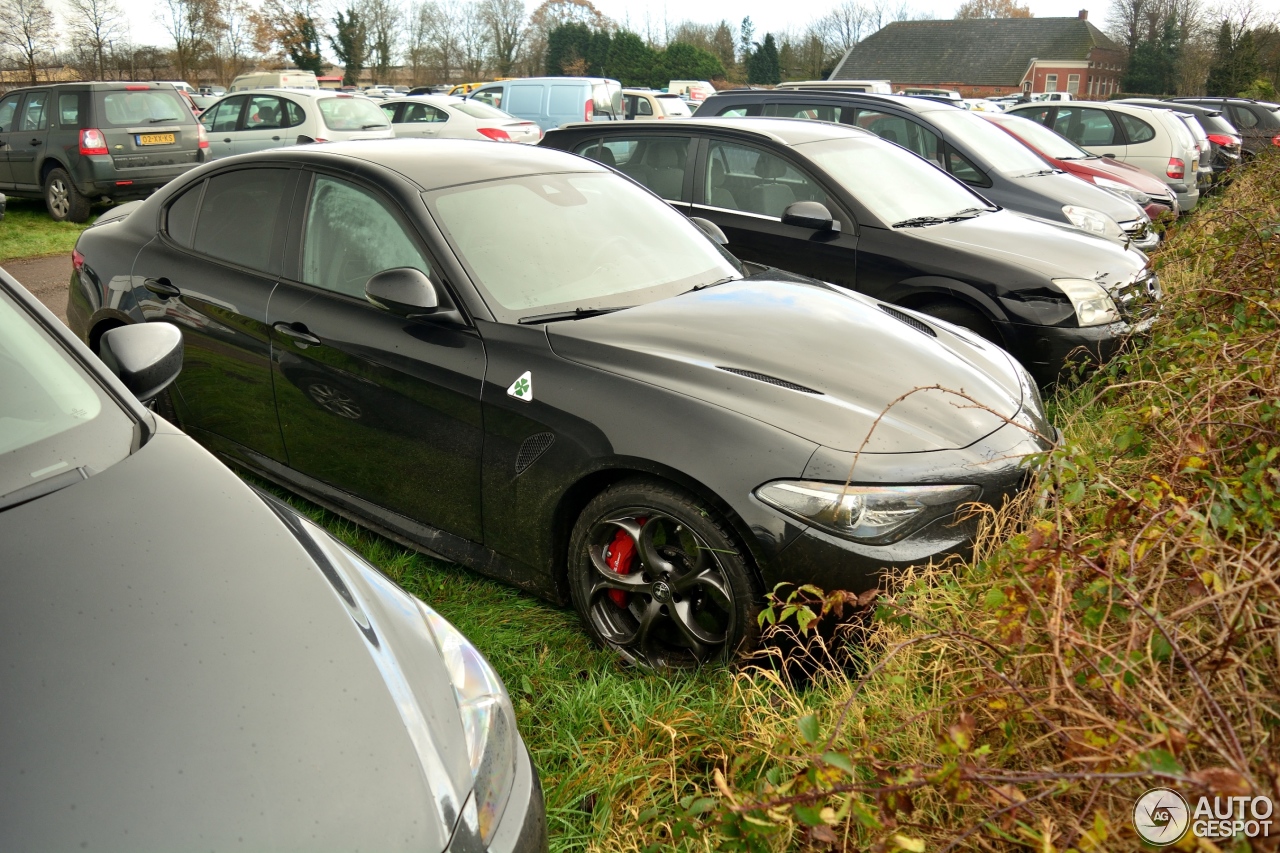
<point x="689" y="597"/>
<point x="63" y="201"/>
<point x="962" y="316"/>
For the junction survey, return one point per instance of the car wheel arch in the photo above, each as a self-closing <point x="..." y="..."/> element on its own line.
<point x="932" y="291"/>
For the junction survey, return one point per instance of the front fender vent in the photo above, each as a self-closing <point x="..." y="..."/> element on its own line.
<point x="918" y="325"/>
<point x="772" y="380"/>
<point x="533" y="447"/>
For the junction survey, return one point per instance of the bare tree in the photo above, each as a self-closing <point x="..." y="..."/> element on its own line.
<point x="383" y="19"/>
<point x="27" y="28"/>
<point x="506" y="22"/>
<point x="232" y="39"/>
<point x="190" y="23"/>
<point x="473" y="39"/>
<point x="993" y="9"/>
<point x="844" y="26"/>
<point x="91" y="26"/>
<point x="442" y="39"/>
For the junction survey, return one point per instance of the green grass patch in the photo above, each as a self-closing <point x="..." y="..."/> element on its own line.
<point x="27" y="231"/>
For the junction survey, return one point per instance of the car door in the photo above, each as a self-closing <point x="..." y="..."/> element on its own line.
<point x="370" y="403"/>
<point x="26" y="144"/>
<point x="744" y="189"/>
<point x="211" y="271"/>
<point x="262" y="126"/>
<point x="1093" y="129"/>
<point x="221" y="125"/>
<point x="8" y="119"/>
<point x="420" y="121"/>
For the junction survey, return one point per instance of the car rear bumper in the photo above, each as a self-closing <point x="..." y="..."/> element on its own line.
<point x="99" y="176"/>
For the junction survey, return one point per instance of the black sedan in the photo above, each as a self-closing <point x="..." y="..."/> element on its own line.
<point x="189" y="663"/>
<point x="842" y="205"/>
<point x="524" y="362"/>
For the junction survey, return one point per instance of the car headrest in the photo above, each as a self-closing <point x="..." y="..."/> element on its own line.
<point x="769" y="167"/>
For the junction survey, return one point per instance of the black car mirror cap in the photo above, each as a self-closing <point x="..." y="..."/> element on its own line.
<point x="145" y="357"/>
<point x="1109" y="156"/>
<point x="303" y="139"/>
<point x="809" y="214"/>
<point x="406" y="291"/>
<point x="711" y="230"/>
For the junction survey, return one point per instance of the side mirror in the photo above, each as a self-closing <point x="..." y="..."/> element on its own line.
<point x="1109" y="156"/>
<point x="303" y="139"/>
<point x="146" y="357"/>
<point x="809" y="214"/>
<point x="404" y="290"/>
<point x="711" y="230"/>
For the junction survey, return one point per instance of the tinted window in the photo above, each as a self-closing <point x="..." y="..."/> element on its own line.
<point x="909" y="134"/>
<point x="238" y="216"/>
<point x="8" y="109"/>
<point x="182" y="215"/>
<point x="1085" y="126"/>
<point x="743" y="178"/>
<point x="1243" y="118"/>
<point x="293" y="114"/>
<point x="264" y="113"/>
<point x="223" y="117"/>
<point x="69" y="109"/>
<point x="150" y="106"/>
<point x="813" y="112"/>
<point x="349" y="236"/>
<point x="739" y="112"/>
<point x="657" y="162"/>
<point x="1136" y="129"/>
<point x="33" y="112"/>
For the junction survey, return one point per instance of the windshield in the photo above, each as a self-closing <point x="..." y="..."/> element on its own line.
<point x="1047" y="142"/>
<point x="475" y="109"/>
<point x="346" y="113"/>
<point x="1000" y="151"/>
<point x="545" y="243"/>
<point x="148" y="106"/>
<point x="54" y="418"/>
<point x="891" y="182"/>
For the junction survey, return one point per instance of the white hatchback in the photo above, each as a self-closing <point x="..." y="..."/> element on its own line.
<point x="445" y="117"/>
<point x="273" y="118"/>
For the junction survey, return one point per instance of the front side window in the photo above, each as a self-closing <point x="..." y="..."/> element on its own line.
<point x="658" y="162"/>
<point x="8" y="110"/>
<point x="238" y="217"/>
<point x="224" y="116"/>
<point x="264" y="113"/>
<point x="740" y="177"/>
<point x="349" y="236"/>
<point x="488" y="97"/>
<point x="33" y="112"/>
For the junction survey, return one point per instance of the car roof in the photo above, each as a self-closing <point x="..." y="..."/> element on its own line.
<point x="788" y="131"/>
<point x="1176" y="106"/>
<point x="910" y="102"/>
<point x="436" y="163"/>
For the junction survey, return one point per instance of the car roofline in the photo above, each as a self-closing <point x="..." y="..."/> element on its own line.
<point x="744" y="125"/>
<point x="796" y="94"/>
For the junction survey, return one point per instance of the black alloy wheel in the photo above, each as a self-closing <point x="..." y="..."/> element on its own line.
<point x="657" y="577"/>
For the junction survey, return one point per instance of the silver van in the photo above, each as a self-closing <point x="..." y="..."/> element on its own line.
<point x="553" y="101"/>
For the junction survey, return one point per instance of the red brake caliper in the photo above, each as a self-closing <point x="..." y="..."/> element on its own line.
<point x="619" y="556"/>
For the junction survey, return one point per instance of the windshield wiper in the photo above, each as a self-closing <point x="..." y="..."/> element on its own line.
<point x="918" y="221"/>
<point x="44" y="487"/>
<point x="968" y="213"/>
<point x="575" y="314"/>
<point x="158" y="120"/>
<point x="1039" y="173"/>
<point x="368" y="126"/>
<point x="724" y="280"/>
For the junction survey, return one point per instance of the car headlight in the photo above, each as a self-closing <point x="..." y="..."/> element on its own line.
<point x="488" y="720"/>
<point x="872" y="515"/>
<point x="1134" y="194"/>
<point x="1093" y="221"/>
<point x="1094" y="306"/>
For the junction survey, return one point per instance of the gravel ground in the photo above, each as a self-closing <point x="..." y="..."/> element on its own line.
<point x="47" y="278"/>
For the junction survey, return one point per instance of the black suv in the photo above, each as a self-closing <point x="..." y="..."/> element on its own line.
<point x="72" y="143"/>
<point x="1257" y="121"/>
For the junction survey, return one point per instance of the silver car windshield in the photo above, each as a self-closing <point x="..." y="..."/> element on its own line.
<point x="54" y="417"/>
<point x="892" y="182"/>
<point x="1000" y="150"/>
<point x="541" y="243"/>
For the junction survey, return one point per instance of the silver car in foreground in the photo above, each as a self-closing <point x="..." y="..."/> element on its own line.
<point x="274" y="118"/>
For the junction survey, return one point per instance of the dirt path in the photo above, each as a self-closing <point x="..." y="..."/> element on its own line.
<point x="47" y="278"/>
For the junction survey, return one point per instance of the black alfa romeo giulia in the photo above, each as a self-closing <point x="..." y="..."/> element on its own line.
<point x="524" y="362"/>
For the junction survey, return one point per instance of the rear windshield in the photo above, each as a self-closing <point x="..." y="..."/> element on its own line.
<point x="123" y="108"/>
<point x="475" y="109"/>
<point x="674" y="105"/>
<point x="352" y="114"/>
<point x="1217" y="124"/>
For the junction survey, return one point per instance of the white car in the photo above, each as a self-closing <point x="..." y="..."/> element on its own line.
<point x="446" y="117"/>
<point x="273" y="118"/>
<point x="648" y="105"/>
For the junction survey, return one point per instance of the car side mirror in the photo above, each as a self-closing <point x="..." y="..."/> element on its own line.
<point x="1109" y="156"/>
<point x="711" y="230"/>
<point x="405" y="291"/>
<point x="809" y="214"/>
<point x="303" y="139"/>
<point x="146" y="357"/>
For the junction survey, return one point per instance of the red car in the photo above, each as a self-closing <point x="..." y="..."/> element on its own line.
<point x="1139" y="185"/>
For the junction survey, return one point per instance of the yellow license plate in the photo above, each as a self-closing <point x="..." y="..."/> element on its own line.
<point x="155" y="139"/>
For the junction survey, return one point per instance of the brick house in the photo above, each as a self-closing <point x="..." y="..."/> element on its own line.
<point x="990" y="56"/>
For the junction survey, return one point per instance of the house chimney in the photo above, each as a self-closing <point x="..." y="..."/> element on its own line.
<point x="1084" y="14"/>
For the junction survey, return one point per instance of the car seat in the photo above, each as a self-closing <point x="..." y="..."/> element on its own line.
<point x="770" y="197"/>
<point x="666" y="161"/>
<point x="604" y="155"/>
<point x="719" y="195"/>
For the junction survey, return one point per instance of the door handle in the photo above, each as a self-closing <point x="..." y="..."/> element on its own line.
<point x="228" y="139"/>
<point x="297" y="332"/>
<point x="275" y="139"/>
<point x="161" y="287"/>
<point x="35" y="142"/>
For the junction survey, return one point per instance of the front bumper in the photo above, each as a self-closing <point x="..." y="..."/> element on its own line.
<point x="1046" y="350"/>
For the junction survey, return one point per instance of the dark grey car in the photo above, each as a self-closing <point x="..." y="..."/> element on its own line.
<point x="1258" y="122"/>
<point x="74" y="143"/>
<point x="187" y="662"/>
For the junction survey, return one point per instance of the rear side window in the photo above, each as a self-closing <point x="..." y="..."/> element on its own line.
<point x="123" y="108"/>
<point x="293" y="114"/>
<point x="69" y="109"/>
<point x="344" y="113"/>
<point x="657" y="162"/>
<point x="238" y="216"/>
<point x="739" y="112"/>
<point x="182" y="216"/>
<point x="910" y="135"/>
<point x="813" y="112"/>
<point x="422" y="114"/>
<point x="34" y="116"/>
<point x="1085" y="127"/>
<point x="1243" y="118"/>
<point x="1136" y="129"/>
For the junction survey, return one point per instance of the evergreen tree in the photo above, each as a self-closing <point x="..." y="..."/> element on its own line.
<point x="1220" y="73"/>
<point x="304" y="46"/>
<point x="350" y="43"/>
<point x="568" y="49"/>
<point x="1153" y="67"/>
<point x="763" y="67"/>
<point x="685" y="62"/>
<point x="722" y="46"/>
<point x="746" y="33"/>
<point x="631" y="62"/>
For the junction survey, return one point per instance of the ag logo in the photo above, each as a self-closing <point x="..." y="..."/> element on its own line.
<point x="1161" y="816"/>
<point x="522" y="388"/>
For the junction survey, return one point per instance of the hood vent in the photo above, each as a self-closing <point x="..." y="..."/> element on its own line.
<point x="918" y="325"/>
<point x="772" y="380"/>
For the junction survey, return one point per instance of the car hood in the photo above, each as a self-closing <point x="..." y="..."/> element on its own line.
<point x="181" y="665"/>
<point x="1049" y="249"/>
<point x="1123" y="172"/>
<point x="1066" y="188"/>
<point x="818" y="361"/>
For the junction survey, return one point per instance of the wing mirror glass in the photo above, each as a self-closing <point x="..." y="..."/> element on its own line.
<point x="711" y="230"/>
<point x="146" y="357"/>
<point x="405" y="291"/>
<point x="809" y="214"/>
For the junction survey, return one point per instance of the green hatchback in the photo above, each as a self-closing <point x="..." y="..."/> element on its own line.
<point x="75" y="143"/>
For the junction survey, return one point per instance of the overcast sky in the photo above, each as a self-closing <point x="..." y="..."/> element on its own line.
<point x="767" y="15"/>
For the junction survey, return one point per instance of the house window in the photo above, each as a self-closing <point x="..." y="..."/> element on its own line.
<point x="1073" y="84"/>
<point x="1051" y="82"/>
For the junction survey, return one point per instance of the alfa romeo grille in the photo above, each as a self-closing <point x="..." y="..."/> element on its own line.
<point x="772" y="380"/>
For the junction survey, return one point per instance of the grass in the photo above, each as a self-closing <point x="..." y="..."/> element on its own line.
<point x="27" y="231"/>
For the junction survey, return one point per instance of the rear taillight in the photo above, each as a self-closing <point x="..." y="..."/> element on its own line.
<point x="92" y="142"/>
<point x="589" y="111"/>
<point x="1275" y="140"/>
<point x="202" y="135"/>
<point x="1176" y="169"/>
<point x="136" y="88"/>
<point x="1222" y="139"/>
<point x="497" y="134"/>
<point x="77" y="260"/>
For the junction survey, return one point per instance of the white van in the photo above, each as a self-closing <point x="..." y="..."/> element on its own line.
<point x="875" y="87"/>
<point x="1052" y="96"/>
<point x="693" y="90"/>
<point x="275" y="80"/>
